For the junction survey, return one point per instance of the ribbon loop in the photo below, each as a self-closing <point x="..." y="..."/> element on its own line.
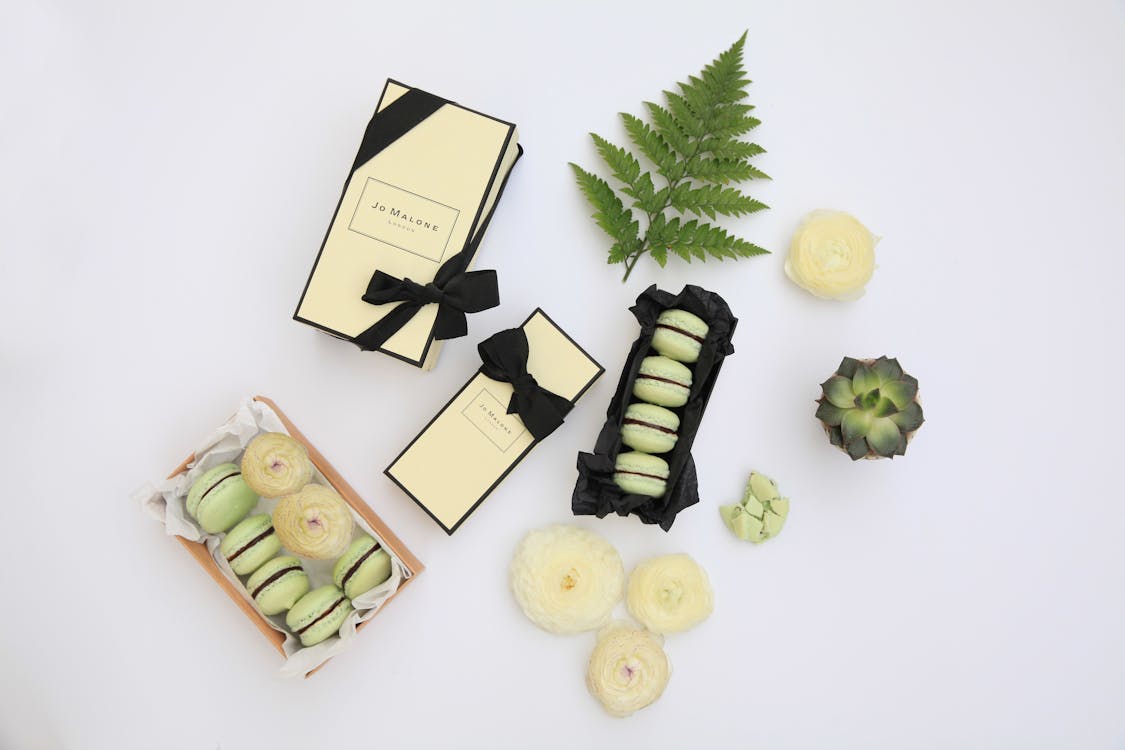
<point x="504" y="358"/>
<point x="455" y="291"/>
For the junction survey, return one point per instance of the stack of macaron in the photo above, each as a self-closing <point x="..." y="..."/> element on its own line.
<point x="663" y="383"/>
<point x="274" y="465"/>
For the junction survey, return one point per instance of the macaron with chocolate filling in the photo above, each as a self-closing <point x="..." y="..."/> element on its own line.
<point x="679" y="335"/>
<point x="220" y="498"/>
<point x="249" y="544"/>
<point x="362" y="567"/>
<point x="663" y="382"/>
<point x="641" y="474"/>
<point x="318" y="614"/>
<point x="278" y="584"/>
<point x="649" y="429"/>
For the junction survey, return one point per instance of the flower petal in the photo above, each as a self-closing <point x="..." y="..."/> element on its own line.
<point x="671" y="593"/>
<point x="566" y="579"/>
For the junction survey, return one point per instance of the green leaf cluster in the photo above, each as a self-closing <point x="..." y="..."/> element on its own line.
<point x="696" y="151"/>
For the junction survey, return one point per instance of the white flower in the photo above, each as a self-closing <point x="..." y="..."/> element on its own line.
<point x="670" y="594"/>
<point x="628" y="669"/>
<point x="832" y="255"/>
<point x="566" y="579"/>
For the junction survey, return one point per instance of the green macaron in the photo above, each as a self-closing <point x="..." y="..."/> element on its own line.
<point x="663" y="382"/>
<point x="641" y="474"/>
<point x="649" y="429"/>
<point x="679" y="335"/>
<point x="249" y="544"/>
<point x="362" y="567"/>
<point x="220" y="498"/>
<point x="278" y="584"/>
<point x="318" y="614"/>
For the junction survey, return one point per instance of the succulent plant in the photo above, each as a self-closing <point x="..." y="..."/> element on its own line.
<point x="869" y="408"/>
<point x="762" y="512"/>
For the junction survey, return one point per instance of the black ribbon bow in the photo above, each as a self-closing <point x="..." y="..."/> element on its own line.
<point x="455" y="291"/>
<point x="504" y="355"/>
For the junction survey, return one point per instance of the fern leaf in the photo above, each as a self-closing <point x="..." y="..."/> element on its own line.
<point x="723" y="171"/>
<point x="724" y="78"/>
<point x="609" y="212"/>
<point x="729" y="148"/>
<point x="624" y="165"/>
<point x="709" y="200"/>
<point x="646" y="196"/>
<point x="650" y="143"/>
<point x="694" y="141"/>
<point x="732" y="120"/>
<point x="618" y="253"/>
<point x="665" y="124"/>
<point x="702" y="240"/>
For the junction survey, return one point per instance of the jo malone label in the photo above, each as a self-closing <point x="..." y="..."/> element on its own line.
<point x="491" y="418"/>
<point x="406" y="220"/>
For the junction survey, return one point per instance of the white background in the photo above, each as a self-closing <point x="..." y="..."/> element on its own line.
<point x="168" y="174"/>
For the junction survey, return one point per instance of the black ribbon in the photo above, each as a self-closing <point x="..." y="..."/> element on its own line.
<point x="394" y="121"/>
<point x="455" y="291"/>
<point x="504" y="355"/>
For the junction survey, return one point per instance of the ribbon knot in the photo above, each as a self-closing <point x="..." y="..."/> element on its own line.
<point x="504" y="358"/>
<point x="525" y="383"/>
<point x="454" y="290"/>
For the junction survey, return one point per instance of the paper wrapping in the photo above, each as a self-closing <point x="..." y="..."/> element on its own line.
<point x="165" y="501"/>
<point x="595" y="492"/>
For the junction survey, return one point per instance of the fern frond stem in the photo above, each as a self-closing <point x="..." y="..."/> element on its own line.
<point x="645" y="246"/>
<point x="632" y="262"/>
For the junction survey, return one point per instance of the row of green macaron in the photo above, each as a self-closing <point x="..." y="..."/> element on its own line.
<point x="220" y="501"/>
<point x="663" y="381"/>
<point x="278" y="582"/>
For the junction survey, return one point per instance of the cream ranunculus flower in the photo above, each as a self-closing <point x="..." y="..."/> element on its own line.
<point x="670" y="594"/>
<point x="566" y="579"/>
<point x="832" y="255"/>
<point x="628" y="669"/>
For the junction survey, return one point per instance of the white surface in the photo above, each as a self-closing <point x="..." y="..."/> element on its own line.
<point x="971" y="594"/>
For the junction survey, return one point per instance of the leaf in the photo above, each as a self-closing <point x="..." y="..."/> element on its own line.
<point x="732" y="120"/>
<point x="624" y="165"/>
<point x="703" y="240"/>
<point x="729" y="148"/>
<point x="723" y="171"/>
<point x="618" y="253"/>
<point x="650" y="143"/>
<point x="609" y="212"/>
<point x="685" y="118"/>
<point x="710" y="200"/>
<point x="665" y="125"/>
<point x="694" y="142"/>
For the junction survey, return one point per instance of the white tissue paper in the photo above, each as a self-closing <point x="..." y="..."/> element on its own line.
<point x="166" y="502"/>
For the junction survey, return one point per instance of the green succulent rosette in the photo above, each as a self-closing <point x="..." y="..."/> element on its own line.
<point x="870" y="408"/>
<point x="762" y="512"/>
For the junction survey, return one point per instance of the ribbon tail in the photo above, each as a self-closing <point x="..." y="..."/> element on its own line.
<point x="541" y="413"/>
<point x="450" y="323"/>
<point x="390" y="324"/>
